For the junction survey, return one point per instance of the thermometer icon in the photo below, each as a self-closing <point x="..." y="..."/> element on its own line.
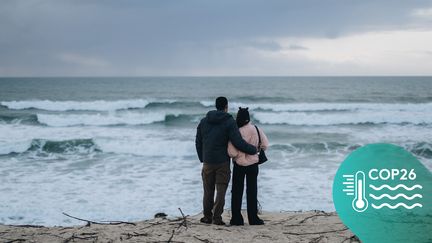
<point x="360" y="203"/>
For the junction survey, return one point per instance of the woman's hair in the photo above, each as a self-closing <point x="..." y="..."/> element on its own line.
<point x="242" y="116"/>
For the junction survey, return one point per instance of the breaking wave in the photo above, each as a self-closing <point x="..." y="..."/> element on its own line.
<point x="361" y="117"/>
<point x="97" y="105"/>
<point x="64" y="147"/>
<point x="84" y="146"/>
<point x="420" y="149"/>
<point x="315" y="147"/>
<point x="65" y="120"/>
<point x="19" y="119"/>
<point x="46" y="146"/>
<point x="314" y="107"/>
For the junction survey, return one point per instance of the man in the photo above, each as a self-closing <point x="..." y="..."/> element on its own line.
<point x="213" y="133"/>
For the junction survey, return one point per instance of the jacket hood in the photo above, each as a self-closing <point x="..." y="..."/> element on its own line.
<point x="217" y="116"/>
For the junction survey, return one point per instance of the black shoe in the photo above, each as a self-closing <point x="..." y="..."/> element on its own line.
<point x="236" y="222"/>
<point x="205" y="220"/>
<point x="218" y="222"/>
<point x="257" y="221"/>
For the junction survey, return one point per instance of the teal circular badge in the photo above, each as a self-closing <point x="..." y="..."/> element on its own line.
<point x="384" y="194"/>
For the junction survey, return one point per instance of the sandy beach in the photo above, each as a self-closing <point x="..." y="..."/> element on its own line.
<point x="310" y="226"/>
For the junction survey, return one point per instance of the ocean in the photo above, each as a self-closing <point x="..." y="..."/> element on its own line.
<point x="123" y="148"/>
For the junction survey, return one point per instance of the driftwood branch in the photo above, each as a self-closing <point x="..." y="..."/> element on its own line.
<point x="184" y="222"/>
<point x="151" y="225"/>
<point x="316" y="240"/>
<point x="313" y="216"/>
<point x="28" y="226"/>
<point x="74" y="237"/>
<point x="15" y="240"/>
<point x="89" y="222"/>
<point x="118" y="222"/>
<point x="171" y="237"/>
<point x="202" y="240"/>
<point x="134" y="234"/>
<point x="165" y="230"/>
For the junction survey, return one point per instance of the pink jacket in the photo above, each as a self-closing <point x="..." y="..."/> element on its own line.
<point x="250" y="135"/>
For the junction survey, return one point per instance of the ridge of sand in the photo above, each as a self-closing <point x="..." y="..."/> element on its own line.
<point x="310" y="226"/>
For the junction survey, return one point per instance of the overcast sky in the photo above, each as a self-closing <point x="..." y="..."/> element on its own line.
<point x="218" y="37"/>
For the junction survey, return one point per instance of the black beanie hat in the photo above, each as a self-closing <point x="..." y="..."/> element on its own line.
<point x="242" y="116"/>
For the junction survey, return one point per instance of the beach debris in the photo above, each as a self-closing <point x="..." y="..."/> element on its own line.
<point x="309" y="226"/>
<point x="160" y="215"/>
<point x="89" y="222"/>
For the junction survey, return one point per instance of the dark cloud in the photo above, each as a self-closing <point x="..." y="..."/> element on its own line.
<point x="152" y="35"/>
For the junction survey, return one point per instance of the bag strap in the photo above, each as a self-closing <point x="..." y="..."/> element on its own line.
<point x="259" y="137"/>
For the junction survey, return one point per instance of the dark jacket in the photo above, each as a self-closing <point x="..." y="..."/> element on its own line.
<point x="213" y="133"/>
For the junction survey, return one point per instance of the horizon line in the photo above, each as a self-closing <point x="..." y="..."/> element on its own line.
<point x="214" y="76"/>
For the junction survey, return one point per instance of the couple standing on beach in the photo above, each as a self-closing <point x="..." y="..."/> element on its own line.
<point x="219" y="137"/>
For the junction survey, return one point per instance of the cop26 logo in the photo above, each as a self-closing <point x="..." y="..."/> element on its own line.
<point x="383" y="194"/>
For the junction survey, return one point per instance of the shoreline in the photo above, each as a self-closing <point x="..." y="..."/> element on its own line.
<point x="308" y="226"/>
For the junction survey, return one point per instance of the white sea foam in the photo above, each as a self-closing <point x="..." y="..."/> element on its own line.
<point x="414" y="107"/>
<point x="360" y="117"/>
<point x="13" y="146"/>
<point x="125" y="118"/>
<point x="132" y="172"/>
<point x="118" y="140"/>
<point x="97" y="105"/>
<point x="142" y="171"/>
<point x="151" y="146"/>
<point x="207" y="103"/>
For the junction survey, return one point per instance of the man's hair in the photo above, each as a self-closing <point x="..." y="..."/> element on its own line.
<point x="221" y="103"/>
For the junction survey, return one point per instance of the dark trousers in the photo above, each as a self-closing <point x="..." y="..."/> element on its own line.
<point x="239" y="174"/>
<point x="215" y="176"/>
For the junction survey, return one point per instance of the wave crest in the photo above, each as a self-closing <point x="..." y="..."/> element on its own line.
<point x="329" y="119"/>
<point x="47" y="146"/>
<point x="129" y="118"/>
<point x="19" y="119"/>
<point x="97" y="105"/>
<point x="315" y="107"/>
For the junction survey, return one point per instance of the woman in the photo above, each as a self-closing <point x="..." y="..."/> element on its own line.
<point x="245" y="166"/>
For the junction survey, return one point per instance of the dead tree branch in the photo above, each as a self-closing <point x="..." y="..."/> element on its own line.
<point x="171" y="237"/>
<point x="134" y="234"/>
<point x="74" y="237"/>
<point x="89" y="222"/>
<point x="202" y="240"/>
<point x="184" y="222"/>
<point x="313" y="216"/>
<point x="16" y="240"/>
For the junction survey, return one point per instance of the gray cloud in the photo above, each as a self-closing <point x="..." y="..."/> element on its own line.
<point x="173" y="36"/>
<point x="297" y="47"/>
<point x="263" y="45"/>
